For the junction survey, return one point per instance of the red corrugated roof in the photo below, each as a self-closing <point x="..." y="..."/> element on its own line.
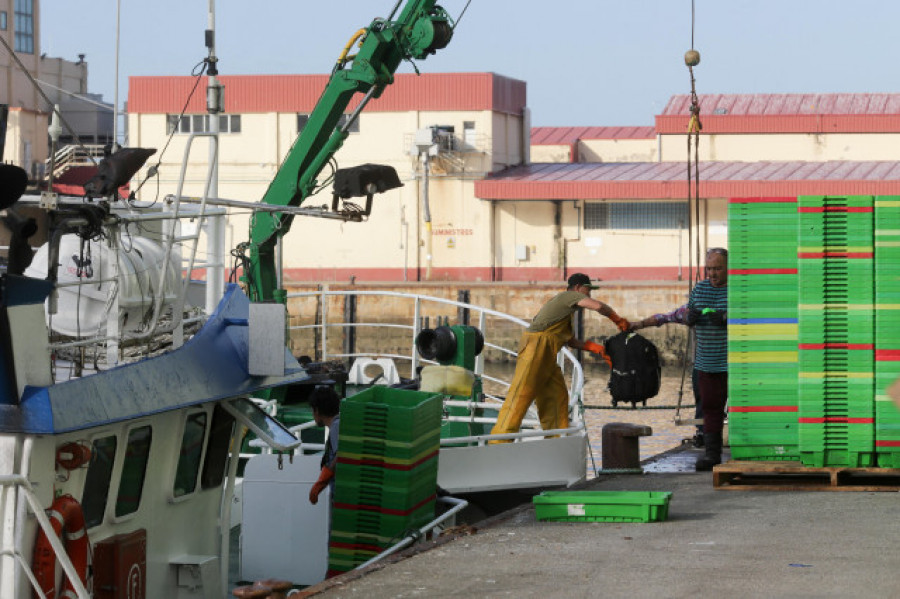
<point x="299" y="93"/>
<point x="785" y="113"/>
<point x="570" y="135"/>
<point x="651" y="180"/>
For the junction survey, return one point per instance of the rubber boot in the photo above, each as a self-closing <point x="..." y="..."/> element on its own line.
<point x="713" y="452"/>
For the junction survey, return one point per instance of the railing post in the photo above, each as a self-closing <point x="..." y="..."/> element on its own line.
<point x="462" y="313"/>
<point x="350" y="318"/>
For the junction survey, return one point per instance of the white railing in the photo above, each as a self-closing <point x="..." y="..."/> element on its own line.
<point x="482" y="318"/>
<point x="19" y="482"/>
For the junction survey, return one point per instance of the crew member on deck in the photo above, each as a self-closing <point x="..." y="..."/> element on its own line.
<point x="538" y="378"/>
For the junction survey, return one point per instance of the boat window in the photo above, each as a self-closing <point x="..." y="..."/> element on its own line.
<point x="189" y="457"/>
<point x="131" y="484"/>
<point x="217" y="449"/>
<point x="96" y="484"/>
<point x="269" y="430"/>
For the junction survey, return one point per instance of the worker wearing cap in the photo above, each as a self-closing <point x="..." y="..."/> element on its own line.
<point x="538" y="377"/>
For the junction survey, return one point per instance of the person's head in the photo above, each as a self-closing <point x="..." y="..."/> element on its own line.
<point x="717" y="266"/>
<point x="581" y="283"/>
<point x="325" y="404"/>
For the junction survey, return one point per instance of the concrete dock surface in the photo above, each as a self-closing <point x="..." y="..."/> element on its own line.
<point x="714" y="543"/>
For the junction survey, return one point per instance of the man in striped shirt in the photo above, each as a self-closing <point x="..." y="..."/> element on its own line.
<point x="707" y="312"/>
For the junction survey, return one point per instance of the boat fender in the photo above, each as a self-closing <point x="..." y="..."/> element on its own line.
<point x="67" y="518"/>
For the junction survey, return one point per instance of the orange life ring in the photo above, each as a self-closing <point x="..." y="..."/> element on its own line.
<point x="65" y="516"/>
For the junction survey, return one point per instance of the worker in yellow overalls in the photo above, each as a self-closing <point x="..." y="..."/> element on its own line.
<point x="538" y="377"/>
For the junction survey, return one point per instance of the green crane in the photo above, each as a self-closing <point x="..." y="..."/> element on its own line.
<point x="422" y="28"/>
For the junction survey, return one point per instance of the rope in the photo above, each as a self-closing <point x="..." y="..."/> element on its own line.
<point x="692" y="59"/>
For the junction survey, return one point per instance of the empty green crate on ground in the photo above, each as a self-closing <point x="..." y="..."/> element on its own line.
<point x="602" y="506"/>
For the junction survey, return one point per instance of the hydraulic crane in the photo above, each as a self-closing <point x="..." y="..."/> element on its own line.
<point x="422" y="28"/>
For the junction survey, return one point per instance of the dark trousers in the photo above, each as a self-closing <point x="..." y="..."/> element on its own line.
<point x="713" y="394"/>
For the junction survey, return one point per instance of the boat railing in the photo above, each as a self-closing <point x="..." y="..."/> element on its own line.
<point x="419" y="307"/>
<point x="180" y="249"/>
<point x="10" y="549"/>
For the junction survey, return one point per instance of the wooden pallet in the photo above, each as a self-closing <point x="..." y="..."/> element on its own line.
<point x="794" y="476"/>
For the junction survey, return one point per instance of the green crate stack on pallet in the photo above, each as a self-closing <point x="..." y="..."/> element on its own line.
<point x="762" y="328"/>
<point x="887" y="328"/>
<point x="837" y="331"/>
<point x="386" y="475"/>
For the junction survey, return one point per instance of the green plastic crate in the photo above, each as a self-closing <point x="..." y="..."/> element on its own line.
<point x="602" y="506"/>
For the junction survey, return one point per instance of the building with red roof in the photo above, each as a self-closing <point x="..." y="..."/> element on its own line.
<point x="513" y="203"/>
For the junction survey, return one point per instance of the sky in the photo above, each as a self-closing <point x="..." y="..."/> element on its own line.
<point x="585" y="62"/>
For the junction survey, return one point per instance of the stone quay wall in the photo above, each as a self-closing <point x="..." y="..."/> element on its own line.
<point x="632" y="300"/>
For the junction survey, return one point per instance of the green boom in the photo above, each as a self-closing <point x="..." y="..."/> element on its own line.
<point x="422" y="28"/>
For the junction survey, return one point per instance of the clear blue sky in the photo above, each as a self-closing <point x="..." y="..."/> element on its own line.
<point x="586" y="62"/>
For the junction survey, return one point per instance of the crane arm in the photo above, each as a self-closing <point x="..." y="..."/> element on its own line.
<point x="422" y="28"/>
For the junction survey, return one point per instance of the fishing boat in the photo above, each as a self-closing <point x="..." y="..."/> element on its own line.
<point x="129" y="388"/>
<point x="125" y="405"/>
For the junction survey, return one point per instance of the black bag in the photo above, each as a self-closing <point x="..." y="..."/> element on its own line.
<point x="636" y="372"/>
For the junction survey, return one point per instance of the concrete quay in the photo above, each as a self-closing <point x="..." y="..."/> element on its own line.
<point x="714" y="543"/>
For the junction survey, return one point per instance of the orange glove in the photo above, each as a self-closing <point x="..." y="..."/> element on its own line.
<point x="596" y="348"/>
<point x="324" y="477"/>
<point x="620" y="322"/>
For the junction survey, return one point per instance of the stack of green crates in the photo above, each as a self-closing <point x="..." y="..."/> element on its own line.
<point x="837" y="330"/>
<point x="887" y="328"/>
<point x="762" y="328"/>
<point x="386" y="475"/>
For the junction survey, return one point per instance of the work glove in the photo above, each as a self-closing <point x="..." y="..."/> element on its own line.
<point x="693" y="316"/>
<point x="596" y="348"/>
<point x="717" y="318"/>
<point x="324" y="477"/>
<point x="620" y="322"/>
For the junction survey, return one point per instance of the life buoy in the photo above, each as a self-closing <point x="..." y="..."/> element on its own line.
<point x="65" y="516"/>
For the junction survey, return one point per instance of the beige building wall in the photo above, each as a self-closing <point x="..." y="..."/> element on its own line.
<point x="551" y="153"/>
<point x="531" y="224"/>
<point x="394" y="237"/>
<point x="783" y="147"/>
<point x="617" y="150"/>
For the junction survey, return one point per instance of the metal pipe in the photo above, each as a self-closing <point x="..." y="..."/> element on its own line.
<point x="460" y="504"/>
<point x="480" y="439"/>
<point x="25" y="471"/>
<point x="44" y="522"/>
<point x="227" y="499"/>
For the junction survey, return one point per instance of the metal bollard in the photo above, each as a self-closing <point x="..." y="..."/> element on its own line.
<point x="620" y="445"/>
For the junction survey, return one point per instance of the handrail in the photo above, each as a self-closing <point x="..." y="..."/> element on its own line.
<point x="24" y="485"/>
<point x="458" y="506"/>
<point x="566" y="357"/>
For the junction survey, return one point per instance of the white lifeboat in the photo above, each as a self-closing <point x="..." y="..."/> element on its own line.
<point x="83" y="310"/>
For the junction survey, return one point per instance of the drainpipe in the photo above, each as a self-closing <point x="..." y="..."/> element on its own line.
<point x="426" y="211"/>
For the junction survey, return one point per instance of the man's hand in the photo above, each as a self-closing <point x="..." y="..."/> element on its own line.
<point x="596" y="348"/>
<point x="621" y="323"/>
<point x="324" y="478"/>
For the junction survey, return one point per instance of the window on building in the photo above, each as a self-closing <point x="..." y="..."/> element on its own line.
<point x="217" y="449"/>
<point x="302" y="119"/>
<point x="96" y="482"/>
<point x="189" y="457"/>
<point x="469" y="133"/>
<point x="635" y="215"/>
<point x="3" y="24"/>
<point x="24" y="26"/>
<point x="134" y="469"/>
<point x="199" y="123"/>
